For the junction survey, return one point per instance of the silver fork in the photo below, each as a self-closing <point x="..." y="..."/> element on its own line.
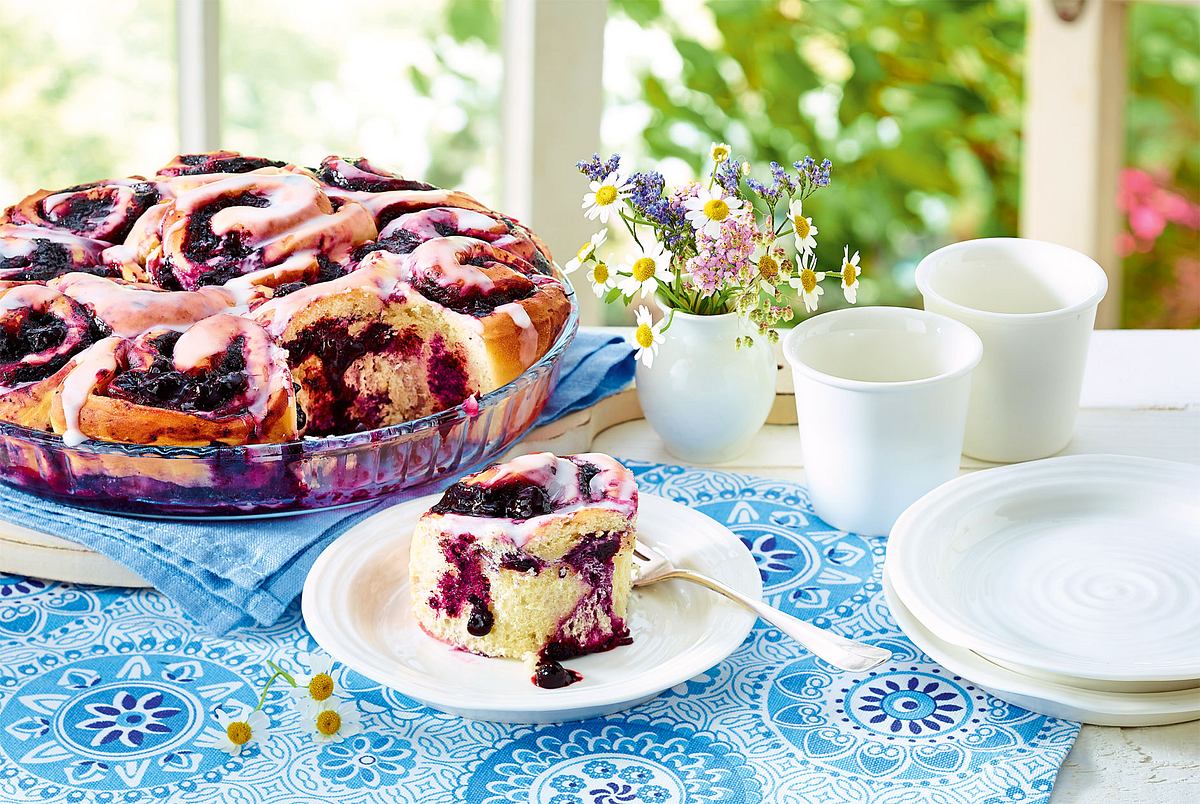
<point x="653" y="566"/>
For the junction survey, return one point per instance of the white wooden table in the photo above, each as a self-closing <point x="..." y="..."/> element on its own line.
<point x="1141" y="396"/>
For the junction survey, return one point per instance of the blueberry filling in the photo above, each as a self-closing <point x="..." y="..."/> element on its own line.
<point x="327" y="270"/>
<point x="466" y="585"/>
<point x="398" y="242"/>
<point x="85" y="214"/>
<point x="40" y="332"/>
<point x="371" y="182"/>
<point x="514" y="500"/>
<point x="201" y="243"/>
<point x="480" y="621"/>
<point x="446" y="372"/>
<point x="587" y="471"/>
<point x="161" y="385"/>
<point x="205" y="163"/>
<point x="518" y="562"/>
<point x="472" y="301"/>
<point x="550" y="675"/>
<point x="335" y="405"/>
<point x="47" y="260"/>
<point x="592" y="559"/>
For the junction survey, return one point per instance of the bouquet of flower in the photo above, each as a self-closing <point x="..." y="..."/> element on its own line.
<point x="709" y="248"/>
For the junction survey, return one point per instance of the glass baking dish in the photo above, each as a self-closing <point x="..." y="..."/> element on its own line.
<point x="407" y="460"/>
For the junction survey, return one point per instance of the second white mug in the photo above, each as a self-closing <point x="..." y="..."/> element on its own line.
<point x="1033" y="304"/>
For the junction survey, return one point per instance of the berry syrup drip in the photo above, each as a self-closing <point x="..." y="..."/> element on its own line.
<point x="47" y="260"/>
<point x="220" y="162"/>
<point x="334" y="405"/>
<point x="592" y="559"/>
<point x="465" y="586"/>
<point x="550" y="675"/>
<point x="162" y="385"/>
<point x="359" y="175"/>
<point x="223" y="254"/>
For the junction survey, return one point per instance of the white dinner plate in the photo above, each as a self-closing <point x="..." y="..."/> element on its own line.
<point x="1046" y="697"/>
<point x="357" y="606"/>
<point x="1084" y="567"/>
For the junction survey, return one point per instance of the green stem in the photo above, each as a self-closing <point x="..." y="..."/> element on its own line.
<point x="278" y="672"/>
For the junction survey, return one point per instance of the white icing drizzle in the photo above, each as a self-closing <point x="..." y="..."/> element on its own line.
<point x="202" y="344"/>
<point x="425" y="223"/>
<point x="17" y="240"/>
<point x="380" y="276"/>
<point x="132" y="309"/>
<point x="38" y="297"/>
<point x="93" y="364"/>
<point x="528" y="332"/>
<point x="297" y="216"/>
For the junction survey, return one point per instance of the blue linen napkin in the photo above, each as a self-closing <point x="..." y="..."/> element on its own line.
<point x="236" y="573"/>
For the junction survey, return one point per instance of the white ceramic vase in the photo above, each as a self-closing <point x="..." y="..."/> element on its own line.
<point x="705" y="397"/>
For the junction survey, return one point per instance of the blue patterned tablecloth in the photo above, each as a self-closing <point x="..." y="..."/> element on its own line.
<point x="768" y="724"/>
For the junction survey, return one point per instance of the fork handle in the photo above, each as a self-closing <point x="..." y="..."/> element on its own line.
<point x="838" y="651"/>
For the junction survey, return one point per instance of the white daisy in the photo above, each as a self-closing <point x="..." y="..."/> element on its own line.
<point x="850" y="274"/>
<point x="719" y="151"/>
<point x="603" y="196"/>
<point x="332" y="720"/>
<point x="806" y="233"/>
<point x="316" y="685"/>
<point x="808" y="282"/>
<point x="601" y="278"/>
<point x="707" y="210"/>
<point x="768" y="273"/>
<point x="586" y="252"/>
<point x="237" y="729"/>
<point x="646" y="337"/>
<point x="645" y="271"/>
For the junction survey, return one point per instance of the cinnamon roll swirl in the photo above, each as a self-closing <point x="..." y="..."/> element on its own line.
<point x="215" y="162"/>
<point x="242" y="224"/>
<point x="31" y="253"/>
<point x="102" y="210"/>
<point x="220" y="381"/>
<point x="41" y="331"/>
<point x="408" y="231"/>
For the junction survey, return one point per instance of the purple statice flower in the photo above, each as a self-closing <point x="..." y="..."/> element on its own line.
<point x="725" y="259"/>
<point x="670" y="219"/>
<point x="729" y="175"/>
<point x="647" y="189"/>
<point x="813" y="175"/>
<point x="782" y="178"/>
<point x="822" y="177"/>
<point x="597" y="170"/>
<point x="768" y="193"/>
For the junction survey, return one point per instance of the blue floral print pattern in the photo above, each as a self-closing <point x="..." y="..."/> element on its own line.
<point x="104" y="695"/>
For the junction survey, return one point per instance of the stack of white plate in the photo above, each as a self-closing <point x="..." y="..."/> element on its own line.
<point x="1069" y="586"/>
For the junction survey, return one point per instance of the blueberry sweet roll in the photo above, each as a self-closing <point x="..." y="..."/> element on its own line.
<point x="244" y="224"/>
<point x="103" y="210"/>
<point x="220" y="381"/>
<point x="31" y="253"/>
<point x="41" y="331"/>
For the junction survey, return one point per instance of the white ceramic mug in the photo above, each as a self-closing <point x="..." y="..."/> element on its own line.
<point x="881" y="396"/>
<point x="1034" y="305"/>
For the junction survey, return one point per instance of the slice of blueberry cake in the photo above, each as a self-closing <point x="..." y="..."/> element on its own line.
<point x="530" y="559"/>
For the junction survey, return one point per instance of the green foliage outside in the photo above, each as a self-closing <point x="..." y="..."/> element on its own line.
<point x="919" y="106"/>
